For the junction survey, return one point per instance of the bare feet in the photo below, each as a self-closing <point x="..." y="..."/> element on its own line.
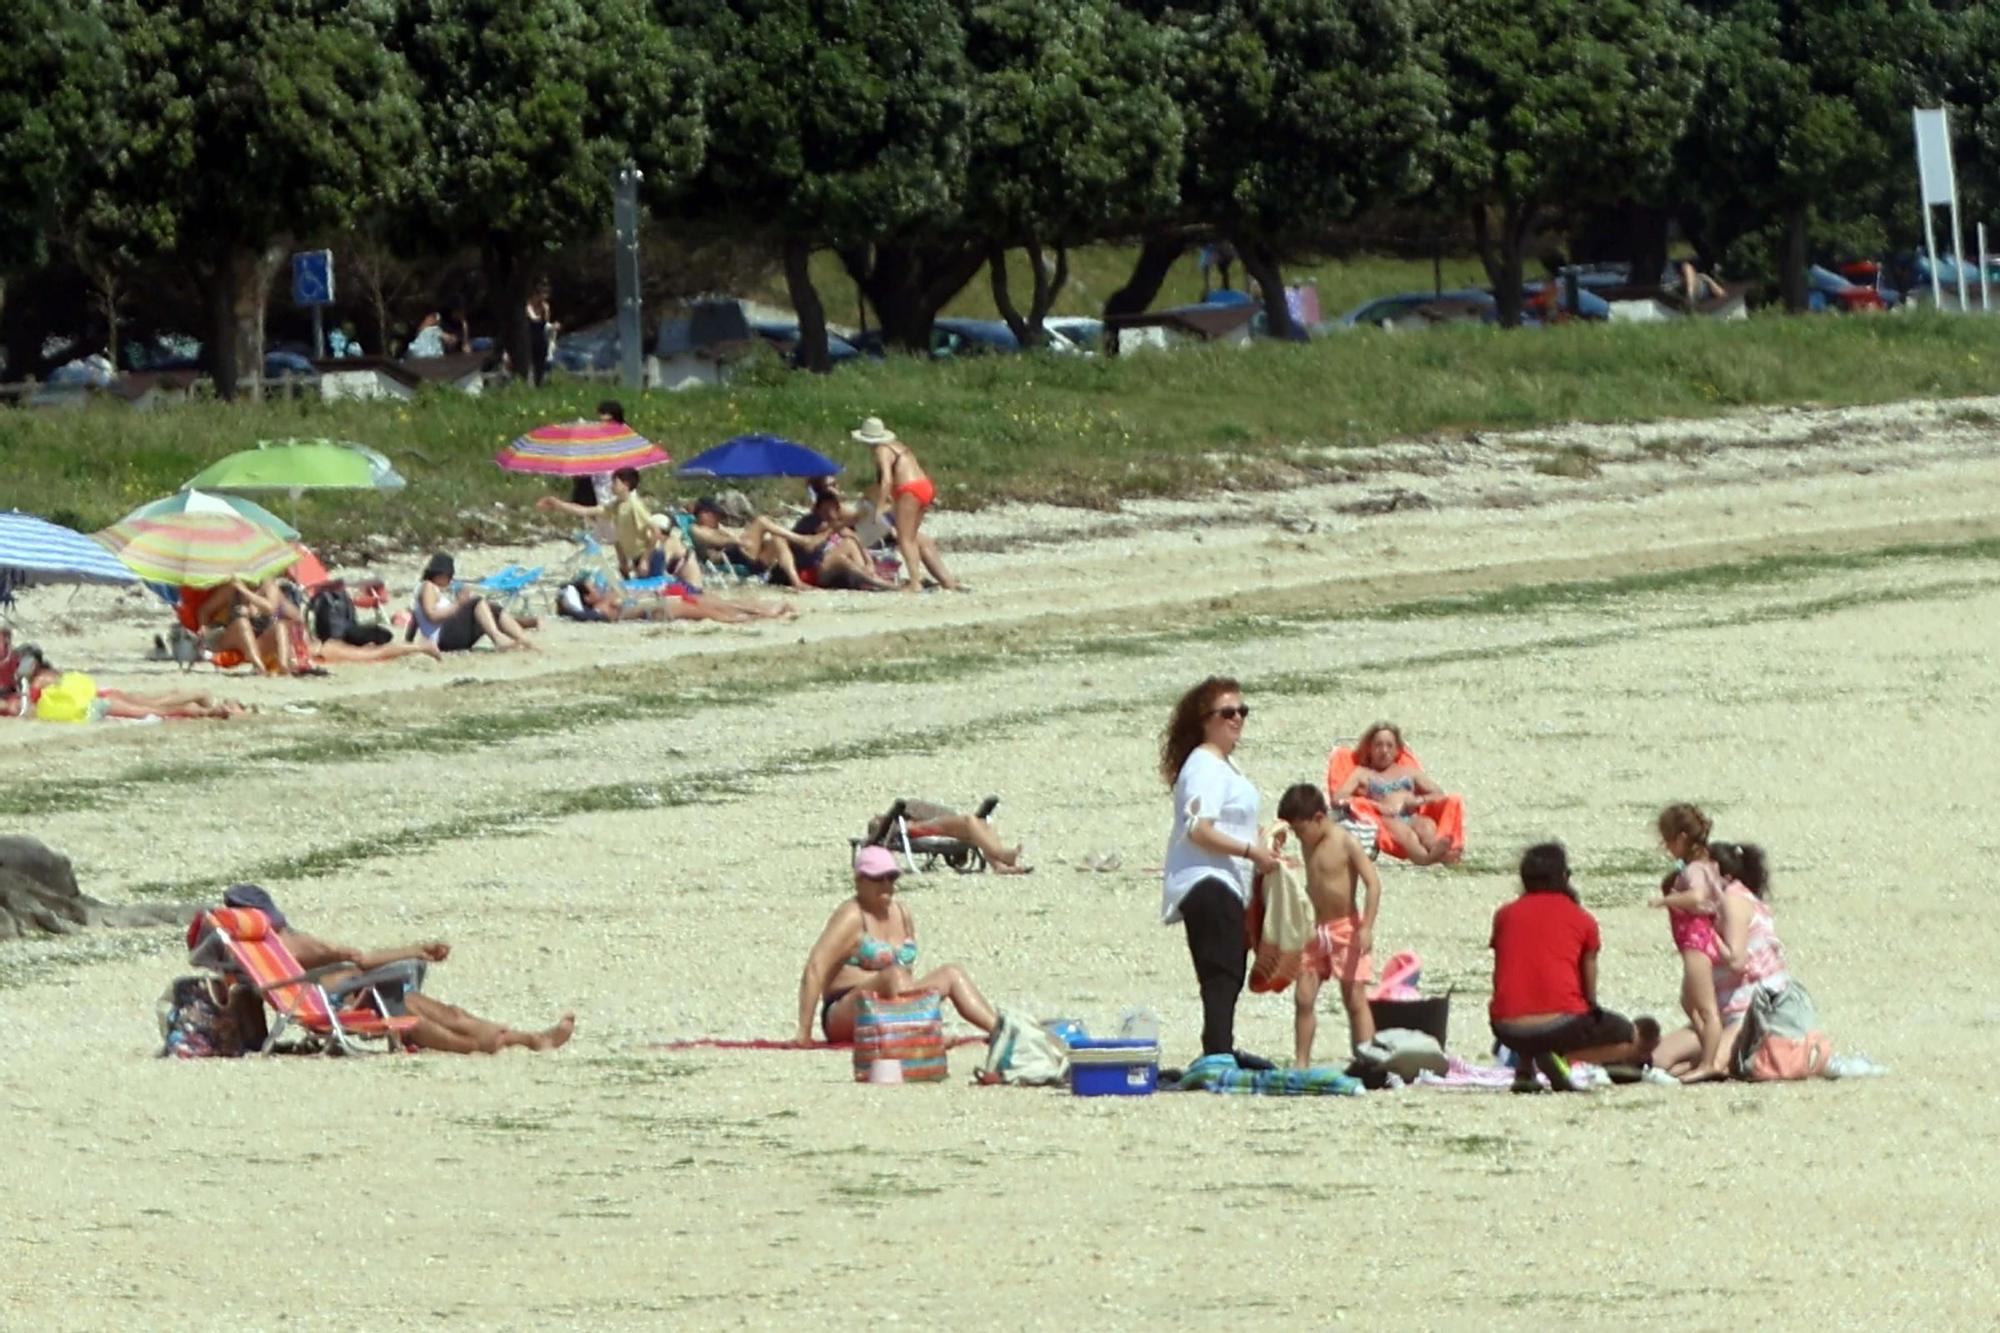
<point x="1703" y="1076"/>
<point x="555" y="1036"/>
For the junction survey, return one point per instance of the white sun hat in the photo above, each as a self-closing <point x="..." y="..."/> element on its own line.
<point x="874" y="432"/>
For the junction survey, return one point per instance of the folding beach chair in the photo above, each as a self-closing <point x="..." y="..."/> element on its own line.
<point x="714" y="566"/>
<point x="510" y="586"/>
<point x="238" y="942"/>
<point x="902" y="830"/>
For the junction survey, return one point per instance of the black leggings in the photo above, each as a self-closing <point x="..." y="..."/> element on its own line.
<point x="461" y="629"/>
<point x="1213" y="915"/>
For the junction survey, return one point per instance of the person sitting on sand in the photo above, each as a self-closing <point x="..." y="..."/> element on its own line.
<point x="829" y="554"/>
<point x="904" y="489"/>
<point x="761" y="545"/>
<point x="641" y="554"/>
<point x="1409" y="801"/>
<point x="241" y="622"/>
<point x="870" y="945"/>
<point x="455" y="624"/>
<point x="440" y="1026"/>
<point x="923" y="819"/>
<point x="1749" y="958"/>
<point x="1544" y="1007"/>
<point x="1343" y="931"/>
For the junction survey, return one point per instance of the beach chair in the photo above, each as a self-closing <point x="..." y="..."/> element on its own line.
<point x="238" y="943"/>
<point x="713" y="566"/>
<point x="904" y="833"/>
<point x="510" y="586"/>
<point x="1375" y="830"/>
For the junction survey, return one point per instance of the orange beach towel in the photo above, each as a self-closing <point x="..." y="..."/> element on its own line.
<point x="1447" y="812"/>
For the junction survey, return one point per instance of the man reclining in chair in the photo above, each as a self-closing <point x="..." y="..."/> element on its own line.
<point x="926" y="820"/>
<point x="440" y="1026"/>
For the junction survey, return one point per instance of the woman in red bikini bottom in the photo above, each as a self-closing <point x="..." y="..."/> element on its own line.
<point x="904" y="490"/>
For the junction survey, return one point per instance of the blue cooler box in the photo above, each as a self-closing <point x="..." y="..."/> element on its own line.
<point x="1114" y="1067"/>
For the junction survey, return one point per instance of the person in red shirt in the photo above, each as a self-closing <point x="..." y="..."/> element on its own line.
<point x="1544" y="1006"/>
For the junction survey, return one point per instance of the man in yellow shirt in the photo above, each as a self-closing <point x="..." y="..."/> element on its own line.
<point x="640" y="545"/>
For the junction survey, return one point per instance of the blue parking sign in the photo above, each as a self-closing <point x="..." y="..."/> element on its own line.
<point x="312" y="278"/>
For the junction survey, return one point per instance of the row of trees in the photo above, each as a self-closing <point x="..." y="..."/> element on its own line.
<point x="922" y="140"/>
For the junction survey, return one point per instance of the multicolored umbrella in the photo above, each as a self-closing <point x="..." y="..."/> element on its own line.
<point x="296" y="466"/>
<point x="580" y="449"/>
<point x="34" y="550"/>
<point x="191" y="550"/>
<point x="201" y="502"/>
<point x="759" y="456"/>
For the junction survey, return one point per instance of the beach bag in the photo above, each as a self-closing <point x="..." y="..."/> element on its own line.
<point x="197" y="1021"/>
<point x="909" y="1028"/>
<point x="1280" y="926"/>
<point x="71" y="699"/>
<point x="332" y="612"/>
<point x="1025" y="1054"/>
<point x="1399" y="1051"/>
<point x="1782" y="1039"/>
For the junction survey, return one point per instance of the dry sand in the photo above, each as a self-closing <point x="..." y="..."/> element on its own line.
<point x="661" y="865"/>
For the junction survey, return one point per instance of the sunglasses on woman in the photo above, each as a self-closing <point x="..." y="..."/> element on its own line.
<point x="1231" y="714"/>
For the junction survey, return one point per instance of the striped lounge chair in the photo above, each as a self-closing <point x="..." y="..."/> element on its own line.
<point x="238" y="942"/>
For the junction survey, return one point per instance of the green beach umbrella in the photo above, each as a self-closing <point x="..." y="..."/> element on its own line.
<point x="298" y="466"/>
<point x="201" y="502"/>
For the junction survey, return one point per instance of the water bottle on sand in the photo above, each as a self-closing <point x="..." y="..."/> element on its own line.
<point x="1140" y="1024"/>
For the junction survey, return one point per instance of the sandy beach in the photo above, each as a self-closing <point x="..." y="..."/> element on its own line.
<point x="1788" y="617"/>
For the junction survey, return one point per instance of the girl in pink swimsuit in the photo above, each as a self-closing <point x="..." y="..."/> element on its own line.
<point x="1692" y="895"/>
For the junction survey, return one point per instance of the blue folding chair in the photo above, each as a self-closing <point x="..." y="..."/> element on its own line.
<point x="510" y="586"/>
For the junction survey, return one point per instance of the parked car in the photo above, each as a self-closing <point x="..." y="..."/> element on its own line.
<point x="1407" y="310"/>
<point x="591" y="348"/>
<point x="783" y="338"/>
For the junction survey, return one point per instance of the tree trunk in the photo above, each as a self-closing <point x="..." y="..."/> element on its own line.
<point x="1048" y="286"/>
<point x="1261" y="263"/>
<point x="237" y="284"/>
<point x="812" y="352"/>
<point x="1501" y="257"/>
<point x="1157" y="255"/>
<point x="1792" y="261"/>
<point x="1025" y="333"/>
<point x="907" y="285"/>
<point x="507" y="279"/>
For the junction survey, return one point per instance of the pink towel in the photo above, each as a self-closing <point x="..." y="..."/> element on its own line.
<point x="773" y="1044"/>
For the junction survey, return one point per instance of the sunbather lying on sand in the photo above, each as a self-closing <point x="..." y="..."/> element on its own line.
<point x="870" y="944"/>
<point x="586" y="599"/>
<point x="129" y="705"/>
<point x="440" y="1026"/>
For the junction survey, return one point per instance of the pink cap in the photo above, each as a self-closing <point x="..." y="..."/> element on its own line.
<point x="876" y="863"/>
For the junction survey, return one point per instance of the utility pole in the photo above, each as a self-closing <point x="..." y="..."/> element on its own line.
<point x="625" y="214"/>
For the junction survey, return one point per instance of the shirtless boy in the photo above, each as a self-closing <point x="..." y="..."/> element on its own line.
<point x="1345" y="932"/>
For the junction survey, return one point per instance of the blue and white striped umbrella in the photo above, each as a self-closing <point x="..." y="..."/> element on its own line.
<point x="34" y="550"/>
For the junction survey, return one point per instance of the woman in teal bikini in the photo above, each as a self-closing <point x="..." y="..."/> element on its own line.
<point x="870" y="944"/>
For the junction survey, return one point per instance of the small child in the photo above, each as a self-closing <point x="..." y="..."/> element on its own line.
<point x="1344" y="932"/>
<point x="1692" y="895"/>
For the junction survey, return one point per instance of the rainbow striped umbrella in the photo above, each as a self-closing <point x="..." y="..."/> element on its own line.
<point x="580" y="449"/>
<point x="197" y="550"/>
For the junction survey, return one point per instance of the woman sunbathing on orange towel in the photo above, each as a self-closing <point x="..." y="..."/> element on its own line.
<point x="1382" y="782"/>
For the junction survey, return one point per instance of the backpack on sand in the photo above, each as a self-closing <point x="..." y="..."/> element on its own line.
<point x="1782" y="1039"/>
<point x="1022" y="1052"/>
<point x="332" y="612"/>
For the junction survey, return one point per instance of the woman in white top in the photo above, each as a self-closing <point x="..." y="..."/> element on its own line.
<point x="1213" y="849"/>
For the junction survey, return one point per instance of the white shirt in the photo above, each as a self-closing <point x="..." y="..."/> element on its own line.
<point x="1212" y="788"/>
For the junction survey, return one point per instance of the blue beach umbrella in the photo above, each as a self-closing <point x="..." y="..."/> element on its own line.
<point x="34" y="550"/>
<point x="759" y="456"/>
